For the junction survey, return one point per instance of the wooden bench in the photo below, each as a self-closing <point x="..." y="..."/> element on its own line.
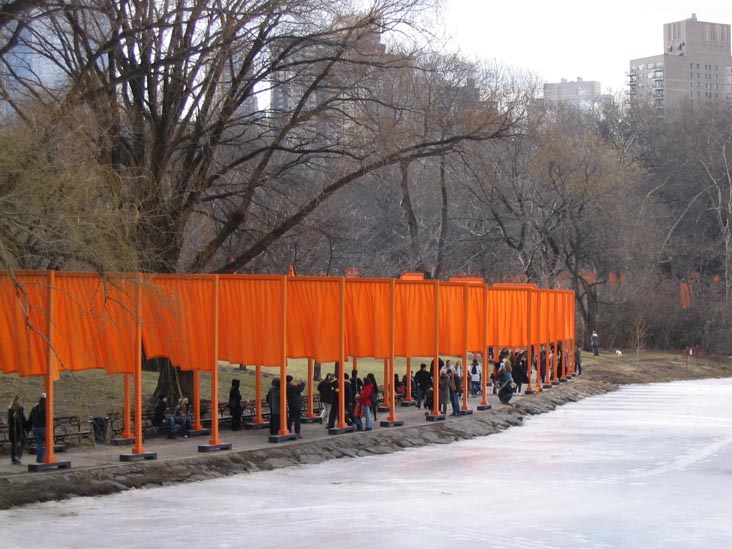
<point x="66" y="427"/>
<point x="4" y="434"/>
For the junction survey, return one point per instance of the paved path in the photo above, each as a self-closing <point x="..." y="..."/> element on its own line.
<point x="88" y="456"/>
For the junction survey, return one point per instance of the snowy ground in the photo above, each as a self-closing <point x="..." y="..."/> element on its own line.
<point x="646" y="466"/>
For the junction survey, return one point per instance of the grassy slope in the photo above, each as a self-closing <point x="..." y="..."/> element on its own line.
<point x="93" y="392"/>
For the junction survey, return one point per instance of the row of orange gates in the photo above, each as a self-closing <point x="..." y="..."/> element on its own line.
<point x="52" y="321"/>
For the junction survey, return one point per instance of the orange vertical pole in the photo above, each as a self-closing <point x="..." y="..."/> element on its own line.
<point x="309" y="413"/>
<point x="127" y="424"/>
<point x="484" y="349"/>
<point x="283" y="364"/>
<point x="342" y="358"/>
<point x="258" y="395"/>
<point x="214" y="440"/>
<point x="387" y="383"/>
<point x="197" y="402"/>
<point x="138" y="448"/>
<point x="436" y="369"/>
<point x="50" y="456"/>
<point x="465" y="349"/>
<point x="529" y="335"/>
<point x="392" y="325"/>
<point x="355" y="363"/>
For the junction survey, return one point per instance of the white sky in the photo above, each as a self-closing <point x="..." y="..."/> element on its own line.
<point x="570" y="38"/>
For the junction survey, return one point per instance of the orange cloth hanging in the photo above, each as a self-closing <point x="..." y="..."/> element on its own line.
<point x="414" y="318"/>
<point x="313" y="318"/>
<point x="250" y="319"/>
<point x="368" y="306"/>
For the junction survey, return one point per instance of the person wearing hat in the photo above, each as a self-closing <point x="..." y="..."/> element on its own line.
<point x="38" y="422"/>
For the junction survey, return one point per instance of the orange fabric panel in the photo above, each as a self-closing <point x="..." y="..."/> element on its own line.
<point x="476" y="317"/>
<point x="544" y="317"/>
<point x="368" y="322"/>
<point x="414" y="333"/>
<point x="511" y="316"/>
<point x="412" y="276"/>
<point x="251" y="320"/>
<point x="314" y="318"/>
<point x="534" y="316"/>
<point x="118" y="323"/>
<point x="178" y="320"/>
<point x="24" y="321"/>
<point x="492" y="318"/>
<point x="452" y="319"/>
<point x="77" y="321"/>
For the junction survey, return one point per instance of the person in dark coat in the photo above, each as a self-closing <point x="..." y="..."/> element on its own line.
<point x="161" y="416"/>
<point x="334" y="402"/>
<point x="294" y="404"/>
<point x="505" y="382"/>
<point x="273" y="399"/>
<point x="423" y="381"/>
<point x="38" y="422"/>
<point x="18" y="425"/>
<point x="235" y="405"/>
<point x="326" y="394"/>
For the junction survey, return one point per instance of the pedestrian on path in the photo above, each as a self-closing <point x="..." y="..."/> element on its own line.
<point x="18" y="425"/>
<point x="595" y="343"/>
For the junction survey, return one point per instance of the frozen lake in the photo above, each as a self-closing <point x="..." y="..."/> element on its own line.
<point x="646" y="466"/>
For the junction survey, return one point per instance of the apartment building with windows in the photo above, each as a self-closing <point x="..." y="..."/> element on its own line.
<point x="695" y="67"/>
<point x="583" y="94"/>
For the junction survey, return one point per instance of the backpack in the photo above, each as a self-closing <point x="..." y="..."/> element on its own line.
<point x="474" y="370"/>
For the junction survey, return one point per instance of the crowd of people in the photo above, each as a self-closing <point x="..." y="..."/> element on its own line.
<point x="509" y="372"/>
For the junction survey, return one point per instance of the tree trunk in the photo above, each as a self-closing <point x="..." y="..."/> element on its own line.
<point x="412" y="226"/>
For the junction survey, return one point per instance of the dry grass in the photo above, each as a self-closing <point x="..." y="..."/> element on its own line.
<point x="96" y="393"/>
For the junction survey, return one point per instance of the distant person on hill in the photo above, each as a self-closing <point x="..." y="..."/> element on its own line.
<point x="578" y="360"/>
<point x="595" y="343"/>
<point x="235" y="405"/>
<point x="18" y="426"/>
<point x="182" y="417"/>
<point x="161" y="417"/>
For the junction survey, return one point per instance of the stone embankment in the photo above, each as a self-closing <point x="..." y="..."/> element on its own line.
<point x="109" y="478"/>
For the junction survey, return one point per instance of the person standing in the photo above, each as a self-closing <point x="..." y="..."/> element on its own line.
<point x="366" y="403"/>
<point x="476" y="376"/>
<point x="423" y="381"/>
<point x="294" y="404"/>
<point x="578" y="360"/>
<point x="38" y="422"/>
<point x="235" y="405"/>
<point x="326" y="395"/>
<point x="17" y="427"/>
<point x="595" y="343"/>
<point x="273" y="399"/>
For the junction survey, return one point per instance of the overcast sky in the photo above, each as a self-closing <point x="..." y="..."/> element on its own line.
<point x="571" y="38"/>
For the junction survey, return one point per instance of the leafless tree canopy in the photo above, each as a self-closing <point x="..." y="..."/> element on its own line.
<point x="249" y="135"/>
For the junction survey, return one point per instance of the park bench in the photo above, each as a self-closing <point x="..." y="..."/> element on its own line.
<point x="71" y="427"/>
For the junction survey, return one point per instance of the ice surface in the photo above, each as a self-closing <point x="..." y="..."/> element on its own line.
<point x="646" y="466"/>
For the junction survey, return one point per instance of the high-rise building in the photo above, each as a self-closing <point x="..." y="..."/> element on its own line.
<point x="584" y="94"/>
<point x="695" y="66"/>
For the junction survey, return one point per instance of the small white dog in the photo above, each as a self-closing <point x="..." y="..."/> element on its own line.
<point x="618" y="352"/>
